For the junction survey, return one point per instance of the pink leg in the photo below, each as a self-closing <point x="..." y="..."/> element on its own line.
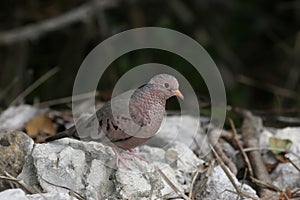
<point x="134" y="153"/>
<point x="120" y="158"/>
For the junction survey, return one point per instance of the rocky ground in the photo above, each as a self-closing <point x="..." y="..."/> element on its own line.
<point x="180" y="166"/>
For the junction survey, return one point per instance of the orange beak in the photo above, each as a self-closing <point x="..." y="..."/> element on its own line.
<point x="179" y="94"/>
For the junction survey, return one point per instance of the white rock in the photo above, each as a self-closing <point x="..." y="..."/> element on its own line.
<point x="218" y="184"/>
<point x="99" y="184"/>
<point x="59" y="165"/>
<point x="286" y="175"/>
<point x="14" y="118"/>
<point x="13" y="194"/>
<point x="184" y="162"/>
<point x="139" y="182"/>
<point x="185" y="129"/>
<point x="18" y="194"/>
<point x="51" y="196"/>
<point x="168" y="192"/>
<point x="88" y="168"/>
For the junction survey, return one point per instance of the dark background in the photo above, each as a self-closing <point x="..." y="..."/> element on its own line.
<point x="255" y="44"/>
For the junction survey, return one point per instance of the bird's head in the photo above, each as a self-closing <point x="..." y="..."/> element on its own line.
<point x="167" y="84"/>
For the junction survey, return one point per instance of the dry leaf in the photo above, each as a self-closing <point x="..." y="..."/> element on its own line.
<point x="286" y="193"/>
<point x="40" y="123"/>
<point x="279" y="143"/>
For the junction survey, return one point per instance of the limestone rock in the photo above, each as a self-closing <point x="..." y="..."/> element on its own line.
<point x="13" y="194"/>
<point x="218" y="185"/>
<point x="15" y="148"/>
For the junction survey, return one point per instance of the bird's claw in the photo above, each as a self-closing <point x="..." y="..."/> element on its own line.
<point x="121" y="159"/>
<point x="134" y="153"/>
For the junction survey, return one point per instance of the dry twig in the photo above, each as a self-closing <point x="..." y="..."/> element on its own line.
<point x="36" y="84"/>
<point x="67" y="99"/>
<point x="241" y="149"/>
<point x="221" y="163"/>
<point x="213" y="137"/>
<point x="201" y="180"/>
<point x="251" y="131"/>
<point x="36" y="30"/>
<point x="288" y="158"/>
<point x="9" y="177"/>
<point x="172" y="185"/>
<point x="71" y="192"/>
<point x="269" y="87"/>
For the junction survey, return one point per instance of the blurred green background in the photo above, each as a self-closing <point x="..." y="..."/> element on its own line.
<point x="255" y="44"/>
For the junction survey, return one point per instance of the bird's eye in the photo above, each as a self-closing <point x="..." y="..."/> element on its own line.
<point x="166" y="85"/>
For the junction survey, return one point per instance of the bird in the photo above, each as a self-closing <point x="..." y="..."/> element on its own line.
<point x="132" y="118"/>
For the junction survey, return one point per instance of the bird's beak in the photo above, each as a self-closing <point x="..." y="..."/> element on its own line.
<point x="178" y="93"/>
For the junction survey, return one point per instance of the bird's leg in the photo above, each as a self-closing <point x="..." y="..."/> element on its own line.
<point x="134" y="153"/>
<point x="120" y="158"/>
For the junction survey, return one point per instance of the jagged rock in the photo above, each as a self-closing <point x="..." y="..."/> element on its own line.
<point x="88" y="168"/>
<point x="286" y="175"/>
<point x="13" y="194"/>
<point x="186" y="129"/>
<point x="15" y="148"/>
<point x="218" y="186"/>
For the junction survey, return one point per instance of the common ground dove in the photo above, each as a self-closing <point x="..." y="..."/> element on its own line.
<point x="128" y="121"/>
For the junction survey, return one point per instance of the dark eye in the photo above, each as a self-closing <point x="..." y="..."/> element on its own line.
<point x="166" y="85"/>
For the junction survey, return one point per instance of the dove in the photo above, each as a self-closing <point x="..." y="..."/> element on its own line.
<point x="131" y="118"/>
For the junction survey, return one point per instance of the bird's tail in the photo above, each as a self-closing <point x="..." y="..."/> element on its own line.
<point x="71" y="132"/>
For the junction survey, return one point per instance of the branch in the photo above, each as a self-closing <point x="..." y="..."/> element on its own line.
<point x="251" y="131"/>
<point x="36" y="30"/>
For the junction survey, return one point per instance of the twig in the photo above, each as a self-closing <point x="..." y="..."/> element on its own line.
<point x="75" y="194"/>
<point x="251" y="131"/>
<point x="36" y="30"/>
<point x="9" y="177"/>
<point x="270" y="149"/>
<point x="33" y="86"/>
<point x="172" y="185"/>
<point x="290" y="120"/>
<point x="244" y="155"/>
<point x="268" y="185"/>
<point x="8" y="88"/>
<point x="221" y="163"/>
<point x="67" y="99"/>
<point x="213" y="137"/>
<point x="205" y="167"/>
<point x="288" y="158"/>
<point x="268" y="87"/>
<point x="276" y="111"/>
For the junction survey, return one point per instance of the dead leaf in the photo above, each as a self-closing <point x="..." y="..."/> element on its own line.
<point x="286" y="193"/>
<point x="40" y="123"/>
<point x="279" y="143"/>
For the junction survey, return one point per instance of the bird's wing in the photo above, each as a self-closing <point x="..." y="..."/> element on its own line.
<point x="115" y="118"/>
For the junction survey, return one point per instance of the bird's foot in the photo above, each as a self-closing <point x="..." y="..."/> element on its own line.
<point x="121" y="159"/>
<point x="134" y="153"/>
